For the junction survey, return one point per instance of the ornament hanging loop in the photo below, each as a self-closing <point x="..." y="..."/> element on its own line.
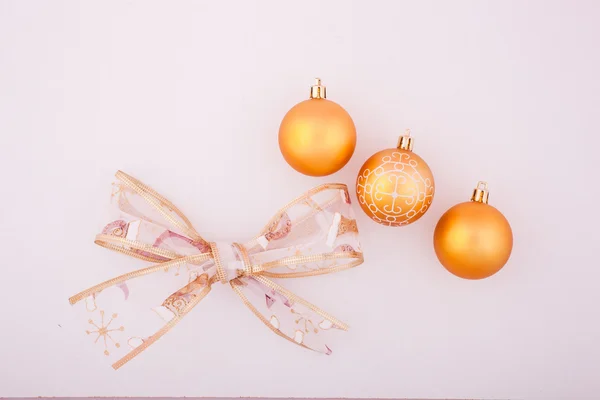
<point x="405" y="142"/>
<point x="481" y="193"/>
<point x="318" y="91"/>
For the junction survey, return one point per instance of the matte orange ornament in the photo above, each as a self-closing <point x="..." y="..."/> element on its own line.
<point x="473" y="240"/>
<point x="317" y="137"/>
<point x="395" y="186"/>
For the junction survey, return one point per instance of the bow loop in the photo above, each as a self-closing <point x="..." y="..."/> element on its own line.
<point x="312" y="235"/>
<point x="136" y="199"/>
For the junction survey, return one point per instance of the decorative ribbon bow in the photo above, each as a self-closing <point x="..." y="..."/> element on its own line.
<point x="312" y="235"/>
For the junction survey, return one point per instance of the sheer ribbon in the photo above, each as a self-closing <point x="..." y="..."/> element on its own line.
<point x="312" y="235"/>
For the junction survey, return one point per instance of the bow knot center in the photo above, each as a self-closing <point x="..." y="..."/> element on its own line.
<point x="231" y="260"/>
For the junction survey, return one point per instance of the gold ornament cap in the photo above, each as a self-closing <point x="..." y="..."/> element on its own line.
<point x="405" y="142"/>
<point x="481" y="193"/>
<point x="318" y="91"/>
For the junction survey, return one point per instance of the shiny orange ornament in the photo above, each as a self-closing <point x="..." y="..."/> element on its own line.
<point x="395" y="186"/>
<point x="473" y="240"/>
<point x="317" y="137"/>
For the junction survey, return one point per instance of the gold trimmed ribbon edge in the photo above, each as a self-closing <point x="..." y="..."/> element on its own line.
<point x="292" y="260"/>
<point x="304" y="274"/>
<point x="221" y="274"/>
<point x="108" y="241"/>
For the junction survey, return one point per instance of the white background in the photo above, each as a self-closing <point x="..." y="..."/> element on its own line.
<point x="188" y="97"/>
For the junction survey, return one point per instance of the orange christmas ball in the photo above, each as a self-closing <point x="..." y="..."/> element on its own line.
<point x="395" y="186"/>
<point x="317" y="137"/>
<point x="473" y="240"/>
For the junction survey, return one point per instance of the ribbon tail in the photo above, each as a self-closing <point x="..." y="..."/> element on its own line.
<point x="287" y="314"/>
<point x="123" y="317"/>
<point x="297" y="299"/>
<point x="238" y="290"/>
<point x="166" y="328"/>
<point x="165" y="266"/>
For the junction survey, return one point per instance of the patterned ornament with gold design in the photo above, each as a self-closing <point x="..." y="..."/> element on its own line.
<point x="473" y="240"/>
<point x="395" y="186"/>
